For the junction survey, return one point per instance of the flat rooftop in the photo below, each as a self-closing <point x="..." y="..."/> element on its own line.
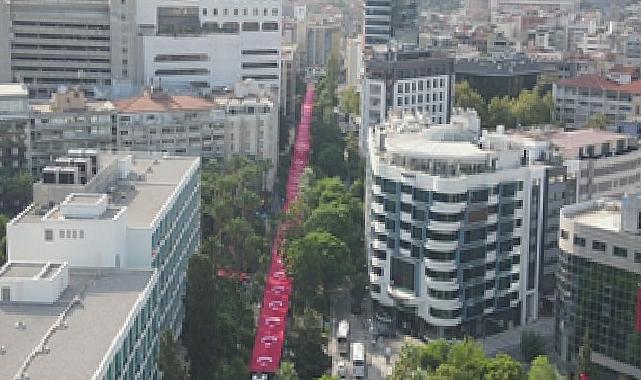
<point x="584" y="137"/>
<point x="13" y="89"/>
<point x="417" y="146"/>
<point x="603" y="219"/>
<point x="75" y="352"/>
<point x="152" y="180"/>
<point x="28" y="270"/>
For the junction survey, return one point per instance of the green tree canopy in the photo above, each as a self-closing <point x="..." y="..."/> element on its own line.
<point x="286" y="372"/>
<point x="350" y="101"/>
<point x="467" y="97"/>
<point x="532" y="345"/>
<point x="169" y="362"/>
<point x="541" y="369"/>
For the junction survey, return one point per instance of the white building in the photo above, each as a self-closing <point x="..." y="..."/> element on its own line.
<point x="210" y="43"/>
<point x="405" y="80"/>
<point x="448" y="224"/>
<point x="100" y="257"/>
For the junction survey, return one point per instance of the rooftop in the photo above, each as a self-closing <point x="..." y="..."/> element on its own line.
<point x="105" y="300"/>
<point x="13" y="89"/>
<point x="604" y="219"/>
<point x="581" y="138"/>
<point x="602" y="83"/>
<point x="163" y="103"/>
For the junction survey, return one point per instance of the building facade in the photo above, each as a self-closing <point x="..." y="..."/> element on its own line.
<point x="447" y="229"/>
<point x="90" y="44"/>
<point x="405" y="80"/>
<point x="598" y="284"/>
<point x="387" y="20"/>
<point x="182" y="44"/>
<point x="579" y="99"/>
<point x="101" y="253"/>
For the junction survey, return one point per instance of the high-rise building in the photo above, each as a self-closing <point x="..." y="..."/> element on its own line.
<point x="405" y="80"/>
<point x="448" y="228"/>
<point x="90" y="44"/>
<point x="97" y="265"/>
<point x="208" y="44"/>
<point x="599" y="285"/>
<point x="388" y="20"/>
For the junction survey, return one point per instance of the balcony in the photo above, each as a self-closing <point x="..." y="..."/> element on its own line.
<point x="489" y="293"/>
<point x="441" y="265"/>
<point x="378" y="244"/>
<point x="448" y="208"/>
<point x="406" y="235"/>
<point x="491" y="237"/>
<point x="490" y="256"/>
<point x="443" y="322"/>
<point x="493" y="199"/>
<point x="378" y="262"/>
<point x="444" y="226"/>
<point x="378" y="208"/>
<point x="376" y="189"/>
<point x="442" y="246"/>
<point x="405" y="252"/>
<point x="402" y="294"/>
<point x="453" y="304"/>
<point x="492" y="218"/>
<point x="406" y="217"/>
<point x="379" y="227"/>
<point x="449" y="285"/>
<point x="516" y="268"/>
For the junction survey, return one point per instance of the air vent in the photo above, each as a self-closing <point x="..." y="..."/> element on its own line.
<point x="20" y="325"/>
<point x="3" y="350"/>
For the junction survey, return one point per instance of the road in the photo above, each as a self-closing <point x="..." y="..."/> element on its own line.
<point x="378" y="365"/>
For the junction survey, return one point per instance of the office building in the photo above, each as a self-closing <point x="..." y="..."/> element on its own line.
<point x="447" y="226"/>
<point x="405" y="80"/>
<point x="97" y="265"/>
<point x="579" y="99"/>
<point x="91" y="44"/>
<point x="324" y="38"/>
<point x="599" y="286"/>
<point x="210" y="44"/>
<point x="389" y="20"/>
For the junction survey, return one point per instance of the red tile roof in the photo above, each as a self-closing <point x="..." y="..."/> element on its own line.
<point x="597" y="81"/>
<point x="163" y="103"/>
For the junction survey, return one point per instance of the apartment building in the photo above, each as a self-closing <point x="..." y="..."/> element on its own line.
<point x="397" y="79"/>
<point x="210" y="43"/>
<point x="599" y="286"/>
<point x="97" y="265"/>
<point x="244" y="122"/>
<point x="448" y="223"/>
<point x="579" y="99"/>
<point x="84" y="43"/>
<point x="324" y="37"/>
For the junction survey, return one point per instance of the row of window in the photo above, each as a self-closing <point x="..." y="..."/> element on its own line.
<point x="64" y="234"/>
<point x="420" y="84"/>
<point x="238" y="11"/>
<point x="600" y="246"/>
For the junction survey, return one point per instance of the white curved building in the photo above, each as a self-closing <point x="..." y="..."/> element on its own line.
<point x="448" y="227"/>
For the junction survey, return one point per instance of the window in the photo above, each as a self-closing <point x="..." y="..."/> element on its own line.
<point x="235" y="11"/>
<point x="274" y="11"/>
<point x="48" y="235"/>
<point x="620" y="252"/>
<point x="598" y="246"/>
<point x="564" y="235"/>
<point x="204" y="11"/>
<point x="637" y="257"/>
<point x="81" y="234"/>
<point x="61" y="234"/>
<point x="579" y="241"/>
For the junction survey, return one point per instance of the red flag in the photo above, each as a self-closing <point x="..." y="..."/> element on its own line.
<point x="637" y="325"/>
<point x="584" y="376"/>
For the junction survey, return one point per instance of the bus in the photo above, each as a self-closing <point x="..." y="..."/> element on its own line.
<point x="358" y="360"/>
<point x="342" y="337"/>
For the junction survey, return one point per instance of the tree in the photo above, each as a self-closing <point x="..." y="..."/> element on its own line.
<point x="500" y="112"/>
<point x="286" y="372"/>
<point x="468" y="357"/>
<point x="530" y="108"/>
<point x="532" y="345"/>
<point x="199" y="334"/>
<point x="328" y="377"/>
<point x="541" y="369"/>
<point x="169" y="362"/>
<point x="306" y="343"/>
<point x="598" y="121"/>
<point x="503" y="367"/>
<point x="467" y="97"/>
<point x="349" y="101"/>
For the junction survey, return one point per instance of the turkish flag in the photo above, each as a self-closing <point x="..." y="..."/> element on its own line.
<point x="584" y="376"/>
<point x="637" y="325"/>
